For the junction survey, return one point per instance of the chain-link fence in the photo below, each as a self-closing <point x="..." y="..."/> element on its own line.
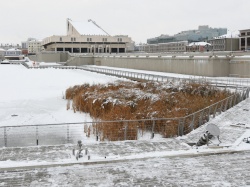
<point x="67" y="133"/>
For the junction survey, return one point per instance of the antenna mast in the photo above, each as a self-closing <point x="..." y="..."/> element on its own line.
<point x="90" y="20"/>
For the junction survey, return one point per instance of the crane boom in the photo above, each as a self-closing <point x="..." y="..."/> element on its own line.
<point x="90" y="20"/>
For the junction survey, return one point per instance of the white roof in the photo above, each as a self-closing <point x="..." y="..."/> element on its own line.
<point x="13" y="49"/>
<point x="87" y="28"/>
<point x="199" y="43"/>
<point x="229" y="35"/>
<point x="2" y="49"/>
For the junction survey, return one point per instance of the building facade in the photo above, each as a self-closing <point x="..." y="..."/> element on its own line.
<point x="2" y="53"/>
<point x="227" y="42"/>
<point x="34" y="46"/>
<point x="165" y="47"/>
<point x="244" y="42"/>
<point x="203" y="33"/>
<point x="199" y="47"/>
<point x="86" y="37"/>
<point x="13" y="54"/>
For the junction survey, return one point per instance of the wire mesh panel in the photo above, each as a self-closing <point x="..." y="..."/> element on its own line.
<point x="20" y="136"/>
<point x="2" y="137"/>
<point x="52" y="134"/>
<point x="77" y="132"/>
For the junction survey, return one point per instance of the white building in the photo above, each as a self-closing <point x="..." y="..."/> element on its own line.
<point x="88" y="37"/>
<point x="13" y="54"/>
<point x="199" y="47"/>
<point x="34" y="46"/>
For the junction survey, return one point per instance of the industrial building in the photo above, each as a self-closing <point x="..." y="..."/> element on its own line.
<point x="225" y="43"/>
<point x="244" y="40"/>
<point x="88" y="37"/>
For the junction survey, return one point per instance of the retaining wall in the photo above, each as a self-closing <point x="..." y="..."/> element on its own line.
<point x="50" y="57"/>
<point x="219" y="65"/>
<point x="202" y="66"/>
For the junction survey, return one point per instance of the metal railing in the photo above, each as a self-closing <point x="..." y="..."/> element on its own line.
<point x="68" y="133"/>
<point x="218" y="82"/>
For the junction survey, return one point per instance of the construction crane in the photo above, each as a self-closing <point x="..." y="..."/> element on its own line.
<point x="90" y="20"/>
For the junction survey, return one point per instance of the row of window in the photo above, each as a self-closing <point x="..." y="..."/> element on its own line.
<point x="218" y="42"/>
<point x="90" y="39"/>
<point x="245" y="34"/>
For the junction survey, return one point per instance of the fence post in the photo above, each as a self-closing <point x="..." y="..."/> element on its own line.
<point x="235" y="99"/>
<point x="230" y="102"/>
<point x="153" y="127"/>
<point x="180" y="127"/>
<point x="5" y="137"/>
<point x="125" y="131"/>
<point x="209" y="110"/>
<point x="67" y="133"/>
<point x="215" y="110"/>
<point x="192" y="123"/>
<point x="37" y="143"/>
<point x="201" y="118"/>
<point x="225" y="107"/>
<point x="96" y="132"/>
<point x="247" y="92"/>
<point x="221" y="106"/>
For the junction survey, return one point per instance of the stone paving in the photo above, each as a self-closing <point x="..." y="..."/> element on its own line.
<point x="57" y="153"/>
<point x="213" y="170"/>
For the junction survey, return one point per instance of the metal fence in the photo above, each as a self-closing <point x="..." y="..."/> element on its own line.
<point x="68" y="133"/>
<point x="218" y="82"/>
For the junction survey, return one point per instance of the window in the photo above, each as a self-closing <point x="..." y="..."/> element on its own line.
<point x="104" y="39"/>
<point x="119" y="39"/>
<point x="89" y="39"/>
<point x="60" y="39"/>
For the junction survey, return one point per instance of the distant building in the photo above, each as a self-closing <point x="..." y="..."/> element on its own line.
<point x="31" y="46"/>
<point x="10" y="46"/>
<point x="87" y="37"/>
<point x="34" y="46"/>
<point x="13" y="54"/>
<point x="2" y="53"/>
<point x="244" y="43"/>
<point x="227" y="42"/>
<point x="24" y="44"/>
<point x="198" y="47"/>
<point x="165" y="47"/>
<point x="203" y="33"/>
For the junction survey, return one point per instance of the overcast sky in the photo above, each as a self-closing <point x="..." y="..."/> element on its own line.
<point x="140" y="19"/>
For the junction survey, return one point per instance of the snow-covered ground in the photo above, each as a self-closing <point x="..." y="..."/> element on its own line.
<point x="35" y="96"/>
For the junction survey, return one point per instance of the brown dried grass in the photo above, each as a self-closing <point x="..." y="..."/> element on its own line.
<point x="131" y="101"/>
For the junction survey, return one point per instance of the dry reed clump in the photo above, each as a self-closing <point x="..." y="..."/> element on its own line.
<point x="149" y="100"/>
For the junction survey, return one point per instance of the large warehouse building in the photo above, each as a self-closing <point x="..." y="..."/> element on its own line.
<point x="88" y="37"/>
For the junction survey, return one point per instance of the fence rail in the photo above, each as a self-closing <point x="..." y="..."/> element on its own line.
<point x="226" y="83"/>
<point x="67" y="133"/>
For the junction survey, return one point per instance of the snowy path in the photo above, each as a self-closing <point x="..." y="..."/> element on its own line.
<point x="159" y="162"/>
<point x="213" y="170"/>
